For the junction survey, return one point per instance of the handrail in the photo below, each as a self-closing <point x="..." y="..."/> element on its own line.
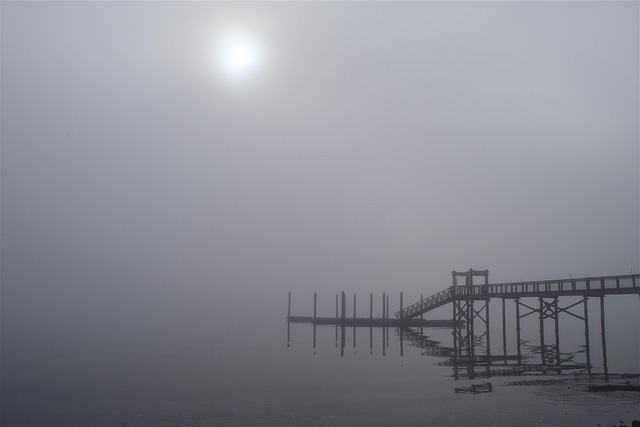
<point x="579" y="285"/>
<point x="424" y="303"/>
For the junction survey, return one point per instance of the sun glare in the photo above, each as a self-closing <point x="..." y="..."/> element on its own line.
<point x="238" y="55"/>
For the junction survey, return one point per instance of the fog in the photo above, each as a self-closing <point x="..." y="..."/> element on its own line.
<point x="149" y="198"/>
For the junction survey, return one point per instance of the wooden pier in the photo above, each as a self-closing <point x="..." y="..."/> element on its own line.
<point x="341" y="318"/>
<point x="369" y="322"/>
<point x="470" y="320"/>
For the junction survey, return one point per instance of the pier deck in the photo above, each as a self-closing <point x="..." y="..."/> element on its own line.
<point x="370" y="322"/>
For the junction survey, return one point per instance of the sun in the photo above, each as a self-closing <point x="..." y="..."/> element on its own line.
<point x="239" y="55"/>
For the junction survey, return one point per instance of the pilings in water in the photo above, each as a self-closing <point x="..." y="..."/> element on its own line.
<point x="464" y="316"/>
<point x="603" y="334"/>
<point x="289" y="324"/>
<point x="471" y="320"/>
<point x="552" y="309"/>
<point x="542" y="347"/>
<point x="519" y="340"/>
<point x="342" y="320"/>
<point x="586" y="332"/>
<point x="504" y="331"/>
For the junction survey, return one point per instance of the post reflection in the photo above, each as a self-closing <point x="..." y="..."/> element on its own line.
<point x="531" y="359"/>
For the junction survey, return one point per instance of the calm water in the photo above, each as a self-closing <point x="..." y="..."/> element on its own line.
<point x="247" y="374"/>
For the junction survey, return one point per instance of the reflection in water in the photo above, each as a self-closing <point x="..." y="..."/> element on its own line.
<point x="475" y="388"/>
<point x="533" y="359"/>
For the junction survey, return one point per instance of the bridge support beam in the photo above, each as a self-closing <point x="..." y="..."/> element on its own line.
<point x="586" y="333"/>
<point x="541" y="312"/>
<point x="604" y="336"/>
<point x="504" y="332"/>
<point x="557" y="329"/>
<point x="486" y="322"/>
<point x="465" y="313"/>
<point x="315" y="300"/>
<point x="518" y="340"/>
<point x="421" y="314"/>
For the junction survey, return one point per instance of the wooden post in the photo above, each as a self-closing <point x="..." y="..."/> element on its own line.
<point x="604" y="337"/>
<point x="371" y="323"/>
<point x="315" y="297"/>
<point x="354" y="316"/>
<point x="517" y="300"/>
<point x="344" y="306"/>
<point x="487" y="324"/>
<point x="455" y="329"/>
<point x="543" y="359"/>
<point x="504" y="332"/>
<point x="471" y="337"/>
<point x="371" y="305"/>
<point x="387" y="316"/>
<point x="384" y="330"/>
<point x="586" y="333"/>
<point x="384" y="301"/>
<point x="422" y="316"/>
<point x="354" y="305"/>
<point x="337" y="319"/>
<point x="387" y="306"/>
<point x="557" y="329"/>
<point x="487" y="305"/>
<point x="289" y="323"/>
<point x="401" y="315"/>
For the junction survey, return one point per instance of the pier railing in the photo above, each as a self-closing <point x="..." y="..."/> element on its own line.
<point x="422" y="306"/>
<point x="582" y="286"/>
<point x="585" y="286"/>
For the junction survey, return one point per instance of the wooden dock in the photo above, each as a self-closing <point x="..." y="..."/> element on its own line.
<point x="546" y="300"/>
<point x="371" y="322"/>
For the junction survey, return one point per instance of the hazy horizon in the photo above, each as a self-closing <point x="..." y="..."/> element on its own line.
<point x="376" y="147"/>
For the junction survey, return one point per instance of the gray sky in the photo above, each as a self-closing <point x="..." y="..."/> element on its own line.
<point x="375" y="147"/>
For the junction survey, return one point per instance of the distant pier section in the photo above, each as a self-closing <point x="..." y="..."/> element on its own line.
<point x="342" y="319"/>
<point x="368" y="322"/>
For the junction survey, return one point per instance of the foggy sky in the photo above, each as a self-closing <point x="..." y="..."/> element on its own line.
<point x="380" y="146"/>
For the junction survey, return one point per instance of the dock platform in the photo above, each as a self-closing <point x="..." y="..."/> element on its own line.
<point x="371" y="321"/>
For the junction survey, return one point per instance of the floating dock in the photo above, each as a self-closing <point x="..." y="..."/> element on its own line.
<point x="371" y="322"/>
